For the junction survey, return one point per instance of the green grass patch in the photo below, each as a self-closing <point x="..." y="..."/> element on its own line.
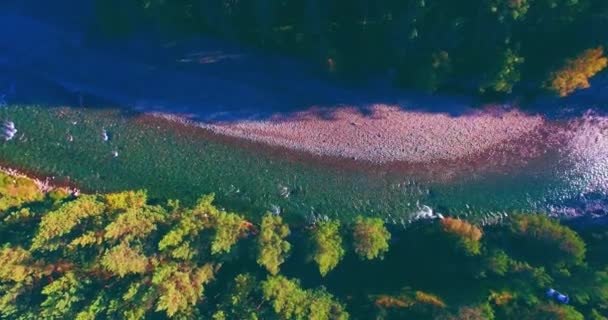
<point x="15" y="191"/>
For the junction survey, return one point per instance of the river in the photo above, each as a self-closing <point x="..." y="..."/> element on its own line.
<point x="559" y="167"/>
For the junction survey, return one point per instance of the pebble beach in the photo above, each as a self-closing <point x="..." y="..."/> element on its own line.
<point x="386" y="134"/>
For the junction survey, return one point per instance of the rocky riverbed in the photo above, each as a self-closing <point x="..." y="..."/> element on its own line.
<point x="387" y="133"/>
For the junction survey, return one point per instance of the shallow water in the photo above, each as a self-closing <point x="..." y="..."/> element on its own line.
<point x="171" y="160"/>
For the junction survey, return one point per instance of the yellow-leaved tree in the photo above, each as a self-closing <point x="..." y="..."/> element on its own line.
<point x="576" y="72"/>
<point x="272" y="246"/>
<point x="327" y="243"/>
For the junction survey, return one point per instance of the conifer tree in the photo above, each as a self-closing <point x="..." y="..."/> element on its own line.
<point x="466" y="234"/>
<point x="181" y="287"/>
<point x="122" y="260"/>
<point x="64" y="220"/>
<point x="290" y="301"/>
<point x="370" y="237"/>
<point x="327" y="246"/>
<point x="272" y="246"/>
<point x="229" y="227"/>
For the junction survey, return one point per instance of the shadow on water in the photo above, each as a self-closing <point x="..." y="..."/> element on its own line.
<point x="58" y="56"/>
<point x="55" y="62"/>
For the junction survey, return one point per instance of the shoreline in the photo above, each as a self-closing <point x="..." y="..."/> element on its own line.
<point x="581" y="221"/>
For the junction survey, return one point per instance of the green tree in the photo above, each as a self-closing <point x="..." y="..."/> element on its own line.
<point x="369" y="37"/>
<point x="548" y="240"/>
<point x="370" y="237"/>
<point x="63" y="296"/>
<point x="191" y="222"/>
<point x="273" y="249"/>
<point x="498" y="262"/>
<point x="481" y="312"/>
<point x="126" y="200"/>
<point x="229" y="227"/>
<point x="138" y="261"/>
<point x="58" y="195"/>
<point x="505" y="73"/>
<point x="515" y="10"/>
<point x="180" y="288"/>
<point x="92" y="311"/>
<point x="17" y="265"/>
<point x="287" y="298"/>
<point x="123" y="260"/>
<point x="135" y="222"/>
<point x="466" y="234"/>
<point x="327" y="243"/>
<point x="595" y="315"/>
<point x="62" y="221"/>
<point x="242" y="300"/>
<point x="588" y="287"/>
<point x="290" y="301"/>
<point x="551" y="311"/>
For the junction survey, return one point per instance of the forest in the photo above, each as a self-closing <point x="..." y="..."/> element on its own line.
<point x="487" y="47"/>
<point x="67" y="255"/>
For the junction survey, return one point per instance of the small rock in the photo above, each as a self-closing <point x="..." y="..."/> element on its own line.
<point x="8" y="131"/>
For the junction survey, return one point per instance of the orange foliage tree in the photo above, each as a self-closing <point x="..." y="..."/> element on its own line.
<point x="386" y="301"/>
<point x="430" y="299"/>
<point x="576" y="72"/>
<point x="468" y="234"/>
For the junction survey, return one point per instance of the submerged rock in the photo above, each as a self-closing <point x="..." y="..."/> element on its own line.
<point x="276" y="210"/>
<point x="284" y="192"/>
